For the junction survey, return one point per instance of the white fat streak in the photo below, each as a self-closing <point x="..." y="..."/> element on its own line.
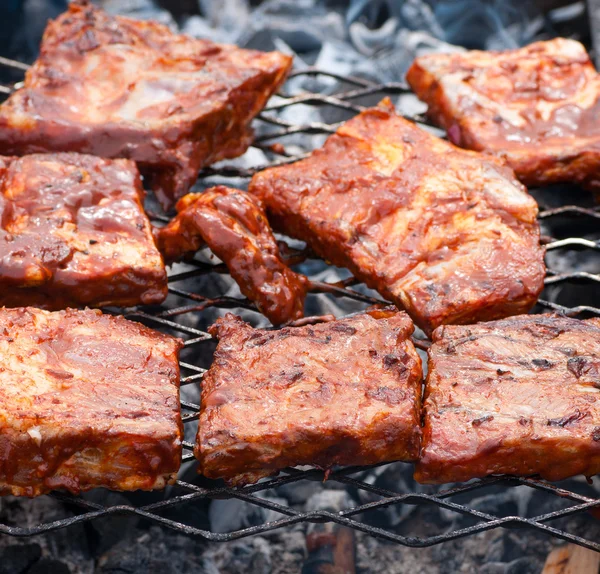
<point x="455" y="88"/>
<point x="35" y="434"/>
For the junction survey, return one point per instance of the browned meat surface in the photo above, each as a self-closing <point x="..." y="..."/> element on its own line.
<point x="537" y="107"/>
<point x="117" y="87"/>
<point x="234" y="225"/>
<point x="518" y="396"/>
<point x="345" y="392"/>
<point x="447" y="234"/>
<point x="73" y="232"/>
<point x="86" y="400"/>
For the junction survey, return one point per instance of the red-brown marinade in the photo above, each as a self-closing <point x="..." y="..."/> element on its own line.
<point x="116" y="87"/>
<point x="536" y="107"/>
<point x="447" y="234"/>
<point x="73" y="232"/>
<point x="87" y="400"/>
<point x="344" y="392"/>
<point x="235" y="227"/>
<point x="519" y="396"/>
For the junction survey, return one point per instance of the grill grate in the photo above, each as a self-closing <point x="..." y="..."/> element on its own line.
<point x="166" y="318"/>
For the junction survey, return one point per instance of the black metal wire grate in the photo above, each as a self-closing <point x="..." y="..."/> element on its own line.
<point x="170" y="319"/>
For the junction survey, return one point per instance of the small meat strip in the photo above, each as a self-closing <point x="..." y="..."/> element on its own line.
<point x="537" y="107"/>
<point x="340" y="393"/>
<point x="447" y="234"/>
<point x="87" y="400"/>
<point x="519" y="396"/>
<point x="73" y="232"/>
<point x="235" y="227"/>
<point x="115" y="87"/>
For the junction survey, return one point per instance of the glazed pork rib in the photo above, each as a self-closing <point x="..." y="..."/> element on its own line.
<point x="116" y="87"/>
<point x="536" y="107"/>
<point x="235" y="227"/>
<point x="345" y="392"/>
<point x="87" y="400"/>
<point x="73" y="232"/>
<point x="447" y="234"/>
<point x="518" y="396"/>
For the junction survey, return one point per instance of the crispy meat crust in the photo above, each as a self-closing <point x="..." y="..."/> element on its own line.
<point x="345" y="392"/>
<point x="86" y="400"/>
<point x="73" y="232"/>
<point x="117" y="87"/>
<point x="536" y="107"/>
<point x="235" y="227"/>
<point x="518" y="396"/>
<point x="447" y="234"/>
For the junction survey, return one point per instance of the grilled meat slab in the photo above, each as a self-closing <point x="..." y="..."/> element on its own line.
<point x="235" y="227"/>
<point x="73" y="232"/>
<point x="116" y="87"/>
<point x="447" y="234"/>
<point x="518" y="396"/>
<point x="536" y="107"/>
<point x="345" y="392"/>
<point x="87" y="400"/>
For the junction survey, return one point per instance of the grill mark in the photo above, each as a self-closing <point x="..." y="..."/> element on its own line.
<point x="543" y="364"/>
<point x="478" y="422"/>
<point x="568" y="419"/>
<point x="341" y="328"/>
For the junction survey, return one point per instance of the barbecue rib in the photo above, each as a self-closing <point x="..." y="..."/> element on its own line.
<point x="117" y="87"/>
<point x="447" y="234"/>
<point x="535" y="106"/>
<point x="344" y="392"/>
<point x="235" y="227"/>
<point x="73" y="232"/>
<point x="517" y="396"/>
<point x="86" y="400"/>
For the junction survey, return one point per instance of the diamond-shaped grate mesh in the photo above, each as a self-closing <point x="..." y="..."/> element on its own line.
<point x="177" y="317"/>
